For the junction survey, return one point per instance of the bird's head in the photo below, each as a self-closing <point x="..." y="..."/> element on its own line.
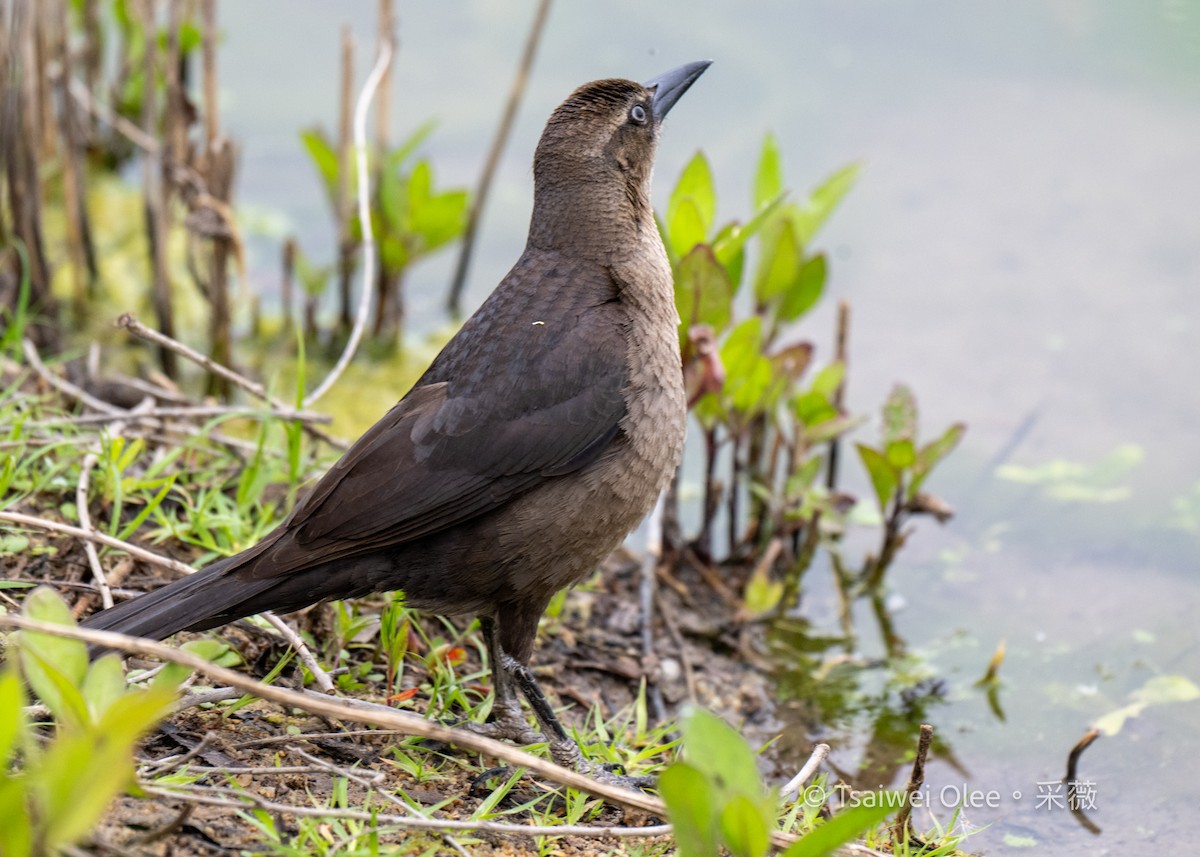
<point x="597" y="152"/>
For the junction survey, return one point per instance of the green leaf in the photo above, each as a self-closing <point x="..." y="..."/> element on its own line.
<point x="440" y="219"/>
<point x="61" y="695"/>
<point x="1112" y="723"/>
<point x="147" y="510"/>
<point x="933" y="452"/>
<point x="1158" y="690"/>
<point x="805" y="475"/>
<point x="393" y="201"/>
<point x="16" y="835"/>
<point x="810" y="215"/>
<point x="768" y="179"/>
<point x="842" y="828"/>
<point x="730" y="253"/>
<point x="77" y="779"/>
<point x="320" y="152"/>
<point x="691" y="806"/>
<point x="745" y="831"/>
<point x="900" y="454"/>
<point x="685" y="227"/>
<point x="804" y="292"/>
<point x="884" y="477"/>
<point x="828" y="379"/>
<point x="827" y="430"/>
<point x="762" y="594"/>
<point x="779" y="266"/>
<point x="1077" y="482"/>
<point x="716" y="749"/>
<point x="12" y="717"/>
<point x="900" y="415"/>
<point x="703" y="293"/>
<point x="748" y="374"/>
<point x="693" y="206"/>
<point x="1012" y="840"/>
<point x="393" y="253"/>
<point x="813" y="408"/>
<point x="103" y="685"/>
<point x="54" y="666"/>
<point x="397" y="156"/>
<point x="1166" y="688"/>
<point x="420" y="183"/>
<point x="731" y="240"/>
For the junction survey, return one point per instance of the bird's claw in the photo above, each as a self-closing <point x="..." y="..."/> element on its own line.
<point x="507" y="723"/>
<point x="568" y="755"/>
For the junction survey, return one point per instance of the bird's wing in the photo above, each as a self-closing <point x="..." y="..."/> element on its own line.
<point x="530" y="389"/>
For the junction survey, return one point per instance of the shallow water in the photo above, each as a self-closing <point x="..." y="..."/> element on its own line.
<point x="1023" y="249"/>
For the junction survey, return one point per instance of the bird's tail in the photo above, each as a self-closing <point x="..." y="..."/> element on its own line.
<point x="190" y="604"/>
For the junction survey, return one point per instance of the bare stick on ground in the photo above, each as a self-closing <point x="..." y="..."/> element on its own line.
<point x="796" y="783"/>
<point x="900" y="831"/>
<point x="131" y="324"/>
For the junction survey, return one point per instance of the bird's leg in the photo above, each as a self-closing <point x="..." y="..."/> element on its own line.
<point x="507" y="721"/>
<point x="563" y="750"/>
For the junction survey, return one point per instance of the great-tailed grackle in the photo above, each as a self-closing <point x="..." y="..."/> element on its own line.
<point x="537" y="439"/>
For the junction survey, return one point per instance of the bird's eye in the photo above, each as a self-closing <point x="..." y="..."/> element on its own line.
<point x="638" y="114"/>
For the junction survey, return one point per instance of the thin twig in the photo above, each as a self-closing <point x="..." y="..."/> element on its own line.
<point x="131" y="324"/>
<point x="364" y="217"/>
<point x="116" y="427"/>
<point x="72" y="391"/>
<point x="792" y="789"/>
<point x="171" y="763"/>
<point x="85" y="520"/>
<point x="302" y="651"/>
<point x="493" y="156"/>
<point x="66" y="387"/>
<point x="311" y="736"/>
<point x="259" y="770"/>
<point x="201" y="411"/>
<point x="195" y="699"/>
<point x="112" y="119"/>
<point x="93" y="535"/>
<point x="244" y="799"/>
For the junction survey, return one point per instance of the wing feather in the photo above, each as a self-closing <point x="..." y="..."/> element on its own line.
<point x="532" y="388"/>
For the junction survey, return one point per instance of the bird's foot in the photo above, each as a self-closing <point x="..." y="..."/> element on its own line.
<point x="507" y="723"/>
<point x="568" y="755"/>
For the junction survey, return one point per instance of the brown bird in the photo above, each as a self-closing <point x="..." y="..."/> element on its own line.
<point x="538" y="438"/>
